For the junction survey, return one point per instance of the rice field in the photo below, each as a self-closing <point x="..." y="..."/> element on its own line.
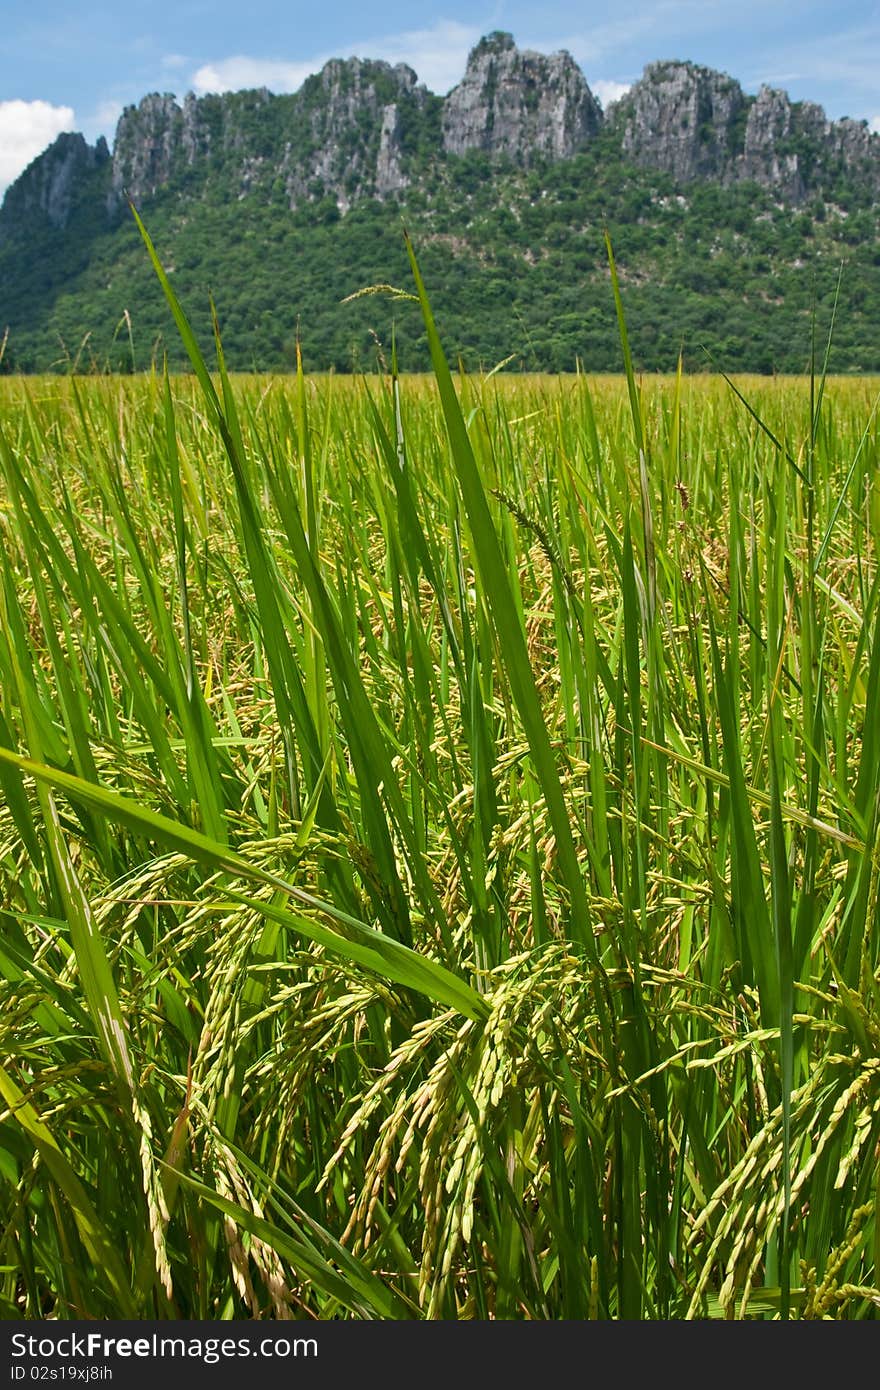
<point x="438" y="846"/>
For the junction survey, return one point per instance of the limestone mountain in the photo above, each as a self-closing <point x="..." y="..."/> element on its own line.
<point x="697" y="123"/>
<point x="522" y="105"/>
<point x="351" y="131"/>
<point x="60" y="178"/>
<point x="283" y="205"/>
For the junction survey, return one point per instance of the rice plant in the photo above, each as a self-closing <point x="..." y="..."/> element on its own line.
<point x="438" y="845"/>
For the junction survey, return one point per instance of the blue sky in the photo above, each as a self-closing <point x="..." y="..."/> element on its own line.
<point x="73" y="66"/>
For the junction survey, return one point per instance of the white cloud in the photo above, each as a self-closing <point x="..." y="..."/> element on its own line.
<point x="874" y="124"/>
<point x="26" y="128"/>
<point x="234" y="74"/>
<point x="608" y="91"/>
<point x="437" y="54"/>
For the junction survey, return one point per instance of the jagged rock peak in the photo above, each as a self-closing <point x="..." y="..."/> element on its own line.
<point x="358" y="116"/>
<point x="769" y="128"/>
<point x="499" y="41"/>
<point x="152" y="137"/>
<point x="696" y="123"/>
<point x="363" y="73"/>
<point x="51" y="183"/>
<point x="686" y="119"/>
<point x="520" y="104"/>
<point x="793" y="146"/>
<point x="343" y="134"/>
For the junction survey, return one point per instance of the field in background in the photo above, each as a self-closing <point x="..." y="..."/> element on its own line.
<point x="438" y="867"/>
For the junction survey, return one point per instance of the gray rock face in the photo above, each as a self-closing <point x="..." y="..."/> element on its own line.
<point x="793" y="148"/>
<point x="51" y="183"/>
<point x="159" y="140"/>
<point x="390" y="177"/>
<point x="765" y="158"/>
<point x="148" y="138"/>
<point x="347" y="129"/>
<point x="341" y="135"/>
<point x="682" y="118"/>
<point x="853" y="147"/>
<point x="698" y="124"/>
<point x="519" y="104"/>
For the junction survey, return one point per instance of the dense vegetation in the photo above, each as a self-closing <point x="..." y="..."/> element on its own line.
<point x="438" y="850"/>
<point x="515" y="258"/>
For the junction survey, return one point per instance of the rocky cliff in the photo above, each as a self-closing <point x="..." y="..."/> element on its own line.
<point x="54" y="182"/>
<point x="519" y="104"/>
<point x="349" y="132"/>
<point x="696" y="123"/>
<point x="681" y="118"/>
<point x="361" y="129"/>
